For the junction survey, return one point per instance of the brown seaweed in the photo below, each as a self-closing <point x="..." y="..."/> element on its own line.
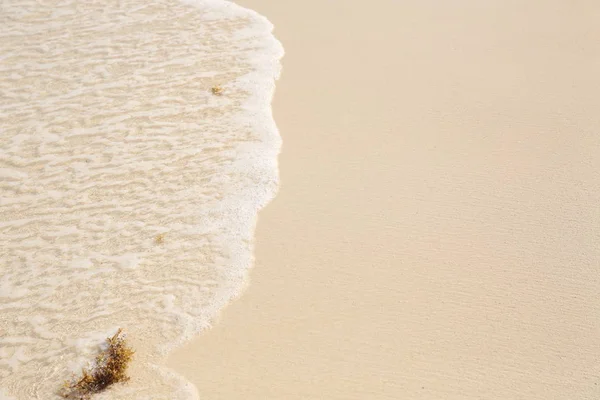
<point x="110" y="367"/>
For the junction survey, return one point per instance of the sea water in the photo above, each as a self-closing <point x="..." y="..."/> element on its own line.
<point x="129" y="188"/>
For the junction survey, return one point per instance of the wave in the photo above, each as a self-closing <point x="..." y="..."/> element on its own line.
<point x="137" y="145"/>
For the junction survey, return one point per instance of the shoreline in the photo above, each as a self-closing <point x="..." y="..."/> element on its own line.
<point x="131" y="180"/>
<point x="434" y="233"/>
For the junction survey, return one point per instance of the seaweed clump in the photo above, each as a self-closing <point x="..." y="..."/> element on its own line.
<point x="217" y="90"/>
<point x="110" y="367"/>
<point x="160" y="238"/>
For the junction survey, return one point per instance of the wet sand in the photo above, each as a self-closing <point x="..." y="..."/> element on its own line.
<point x="436" y="234"/>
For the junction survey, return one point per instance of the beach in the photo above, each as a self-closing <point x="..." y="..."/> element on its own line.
<point x="414" y="216"/>
<point x="136" y="146"/>
<point x="435" y="235"/>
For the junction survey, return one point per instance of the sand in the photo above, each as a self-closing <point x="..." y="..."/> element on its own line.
<point x="436" y="234"/>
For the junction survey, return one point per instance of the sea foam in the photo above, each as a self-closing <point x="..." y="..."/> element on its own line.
<point x="128" y="190"/>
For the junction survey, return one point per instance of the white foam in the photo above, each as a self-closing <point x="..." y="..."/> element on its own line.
<point x="109" y="137"/>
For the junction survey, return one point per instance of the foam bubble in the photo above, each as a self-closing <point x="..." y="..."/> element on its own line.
<point x="129" y="191"/>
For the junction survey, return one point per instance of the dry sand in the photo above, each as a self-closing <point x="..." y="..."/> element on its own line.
<point x="437" y="231"/>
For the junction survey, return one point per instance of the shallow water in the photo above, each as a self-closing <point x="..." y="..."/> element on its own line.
<point x="128" y="190"/>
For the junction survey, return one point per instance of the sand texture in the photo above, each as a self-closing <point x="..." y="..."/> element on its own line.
<point x="436" y="234"/>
